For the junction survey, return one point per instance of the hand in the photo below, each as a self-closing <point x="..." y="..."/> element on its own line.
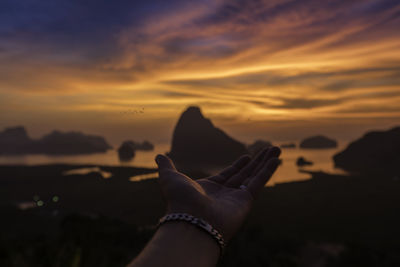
<point x="218" y="199"/>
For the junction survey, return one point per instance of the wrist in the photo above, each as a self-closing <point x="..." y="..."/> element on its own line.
<point x="226" y="229"/>
<point x="191" y="240"/>
<point x="202" y="212"/>
<point x="179" y="244"/>
<point x="200" y="223"/>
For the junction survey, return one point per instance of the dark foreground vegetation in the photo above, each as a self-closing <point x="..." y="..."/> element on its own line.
<point x="326" y="221"/>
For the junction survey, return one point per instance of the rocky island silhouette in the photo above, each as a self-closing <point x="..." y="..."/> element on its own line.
<point x="318" y="142"/>
<point x="196" y="140"/>
<point x="376" y="151"/>
<point x="126" y="151"/>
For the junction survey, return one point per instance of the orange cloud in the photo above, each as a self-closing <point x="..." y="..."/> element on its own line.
<point x="245" y="62"/>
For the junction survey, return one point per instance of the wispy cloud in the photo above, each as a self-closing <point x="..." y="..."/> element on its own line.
<point x="264" y="59"/>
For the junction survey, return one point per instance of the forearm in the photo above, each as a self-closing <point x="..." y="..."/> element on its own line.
<point x="179" y="244"/>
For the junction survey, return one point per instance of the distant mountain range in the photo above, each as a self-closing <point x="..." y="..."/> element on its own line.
<point x="196" y="141"/>
<point x="15" y="141"/>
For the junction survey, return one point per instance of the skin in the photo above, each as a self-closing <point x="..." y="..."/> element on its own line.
<point x="216" y="199"/>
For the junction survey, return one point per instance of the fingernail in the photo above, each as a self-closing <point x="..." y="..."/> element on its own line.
<point x="276" y="151"/>
<point x="274" y="164"/>
<point x="158" y="158"/>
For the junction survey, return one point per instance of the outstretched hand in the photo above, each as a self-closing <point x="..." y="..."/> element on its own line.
<point x="223" y="200"/>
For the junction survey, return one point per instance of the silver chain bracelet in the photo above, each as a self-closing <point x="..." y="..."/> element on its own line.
<point x="205" y="226"/>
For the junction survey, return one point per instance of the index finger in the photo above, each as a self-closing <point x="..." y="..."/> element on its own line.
<point x="231" y="170"/>
<point x="258" y="182"/>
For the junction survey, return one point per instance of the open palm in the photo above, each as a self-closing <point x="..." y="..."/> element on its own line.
<point x="223" y="200"/>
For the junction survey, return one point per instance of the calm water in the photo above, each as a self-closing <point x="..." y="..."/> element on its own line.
<point x="287" y="172"/>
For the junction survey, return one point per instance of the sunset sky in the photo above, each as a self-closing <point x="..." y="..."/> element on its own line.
<point x="273" y="69"/>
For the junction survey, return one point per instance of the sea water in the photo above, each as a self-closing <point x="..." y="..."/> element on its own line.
<point x="287" y="172"/>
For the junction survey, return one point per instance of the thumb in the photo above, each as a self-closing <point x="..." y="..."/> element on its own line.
<point x="164" y="163"/>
